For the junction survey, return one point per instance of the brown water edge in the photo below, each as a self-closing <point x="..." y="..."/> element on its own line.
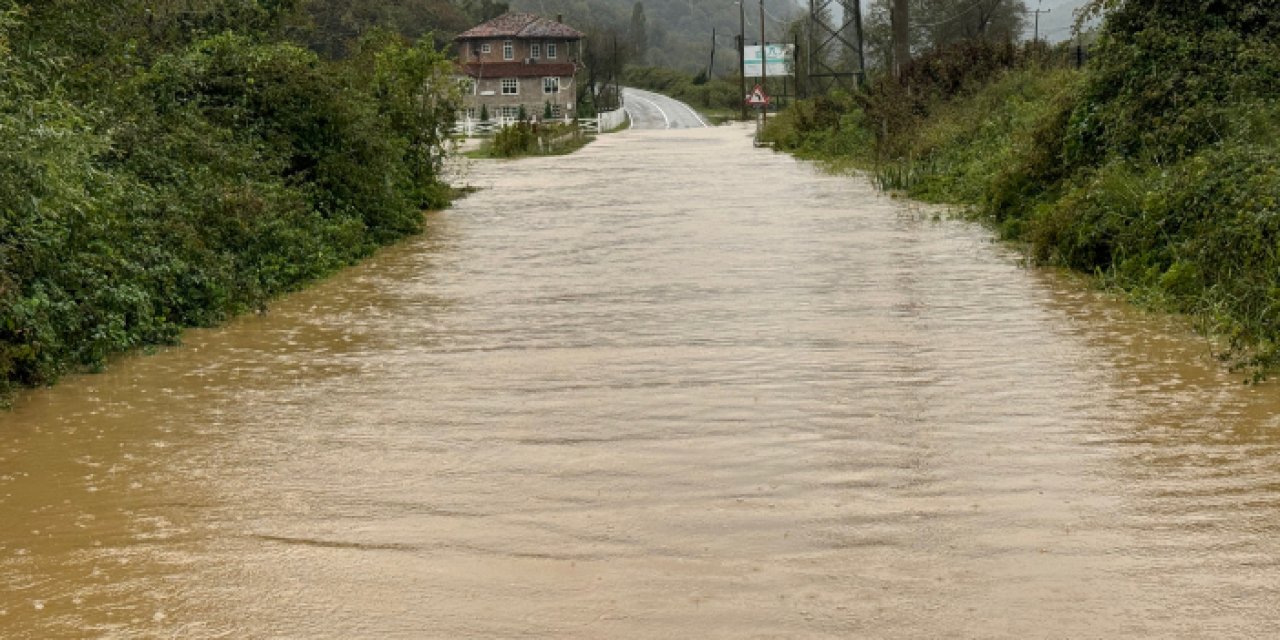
<point x="669" y="386"/>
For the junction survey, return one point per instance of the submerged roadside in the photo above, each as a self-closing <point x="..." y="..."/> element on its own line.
<point x="1153" y="168"/>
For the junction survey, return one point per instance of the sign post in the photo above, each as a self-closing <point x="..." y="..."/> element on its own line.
<point x="758" y="98"/>
<point x="764" y="70"/>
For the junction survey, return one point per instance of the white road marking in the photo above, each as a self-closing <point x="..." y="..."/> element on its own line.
<point x="636" y="93"/>
<point x="696" y="116"/>
<point x="666" y="121"/>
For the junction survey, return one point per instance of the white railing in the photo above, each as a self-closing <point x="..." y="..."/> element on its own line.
<point x="470" y="128"/>
<point x="602" y="123"/>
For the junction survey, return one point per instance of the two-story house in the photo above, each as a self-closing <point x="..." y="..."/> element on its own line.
<point x="519" y="60"/>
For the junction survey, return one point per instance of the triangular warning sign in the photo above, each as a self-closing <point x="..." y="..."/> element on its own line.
<point x="758" y="97"/>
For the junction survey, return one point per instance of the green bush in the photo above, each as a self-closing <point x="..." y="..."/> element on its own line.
<point x="1158" y="172"/>
<point x="524" y="138"/>
<point x="1154" y="168"/>
<point x="196" y="179"/>
<point x="515" y="140"/>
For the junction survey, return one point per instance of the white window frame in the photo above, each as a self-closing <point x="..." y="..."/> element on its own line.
<point x="535" y="50"/>
<point x="486" y="48"/>
<point x="551" y="51"/>
<point x="509" y="112"/>
<point x="510" y="83"/>
<point x="468" y="86"/>
<point x="508" y="50"/>
<point x="550" y="85"/>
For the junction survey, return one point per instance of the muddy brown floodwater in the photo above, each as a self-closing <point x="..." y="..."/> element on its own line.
<point x="667" y="387"/>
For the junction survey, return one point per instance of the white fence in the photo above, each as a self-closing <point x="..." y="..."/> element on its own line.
<point x="603" y="123"/>
<point x="610" y="120"/>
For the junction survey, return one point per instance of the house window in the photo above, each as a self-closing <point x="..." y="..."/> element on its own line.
<point x="551" y="51"/>
<point x="508" y="50"/>
<point x="510" y="87"/>
<point x="510" y="113"/>
<point x="486" y="48"/>
<point x="467" y="86"/>
<point x="535" y="51"/>
<point x="551" y="85"/>
<point x="556" y="111"/>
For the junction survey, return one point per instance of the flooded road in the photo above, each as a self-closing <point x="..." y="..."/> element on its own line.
<point x="670" y="386"/>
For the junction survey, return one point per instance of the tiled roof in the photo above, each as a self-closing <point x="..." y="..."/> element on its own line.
<point x="520" y="25"/>
<point x="517" y="69"/>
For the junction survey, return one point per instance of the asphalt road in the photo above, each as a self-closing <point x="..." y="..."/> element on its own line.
<point x="650" y="110"/>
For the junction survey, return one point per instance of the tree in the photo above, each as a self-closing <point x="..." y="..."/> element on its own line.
<point x="419" y="96"/>
<point x="992" y="20"/>
<point x="638" y="34"/>
<point x="899" y="25"/>
<point x="937" y="23"/>
<point x="604" y="54"/>
<point x="337" y="25"/>
<point x="485" y="10"/>
<point x="1248" y="17"/>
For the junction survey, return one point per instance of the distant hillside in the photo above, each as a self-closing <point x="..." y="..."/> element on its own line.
<point x="678" y="32"/>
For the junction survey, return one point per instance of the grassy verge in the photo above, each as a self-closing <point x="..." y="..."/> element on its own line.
<point x="1155" y="168"/>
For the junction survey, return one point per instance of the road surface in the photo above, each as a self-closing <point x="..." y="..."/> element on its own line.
<point x="650" y="110"/>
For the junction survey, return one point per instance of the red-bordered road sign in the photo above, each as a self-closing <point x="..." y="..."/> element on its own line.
<point x="758" y="97"/>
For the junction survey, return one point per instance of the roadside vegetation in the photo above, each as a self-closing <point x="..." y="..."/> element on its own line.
<point x="164" y="168"/>
<point x="1156" y="167"/>
<point x="533" y="139"/>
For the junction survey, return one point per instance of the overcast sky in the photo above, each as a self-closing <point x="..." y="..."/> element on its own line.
<point x="1055" y="26"/>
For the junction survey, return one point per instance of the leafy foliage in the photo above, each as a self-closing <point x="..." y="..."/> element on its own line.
<point x="524" y="139"/>
<point x="160" y="182"/>
<point x="334" y="28"/>
<point x="936" y="24"/>
<point x="1154" y="168"/>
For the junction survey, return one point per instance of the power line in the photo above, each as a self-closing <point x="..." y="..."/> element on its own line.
<point x="773" y="17"/>
<point x="971" y="7"/>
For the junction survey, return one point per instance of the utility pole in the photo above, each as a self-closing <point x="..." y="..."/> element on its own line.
<point x="711" y="68"/>
<point x="898" y="16"/>
<point x="617" y="81"/>
<point x="764" y="73"/>
<point x="742" y="54"/>
<point x="1038" y="11"/>
<point x="856" y="8"/>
